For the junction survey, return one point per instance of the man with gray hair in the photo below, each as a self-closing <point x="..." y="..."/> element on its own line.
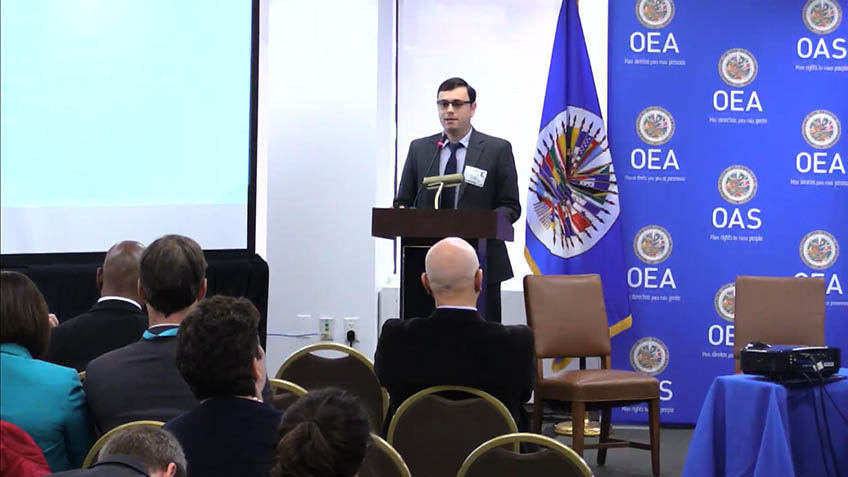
<point x="140" y="450"/>
<point x="455" y="345"/>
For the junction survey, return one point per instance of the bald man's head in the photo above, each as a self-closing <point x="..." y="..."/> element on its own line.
<point x="453" y="274"/>
<point x="119" y="274"/>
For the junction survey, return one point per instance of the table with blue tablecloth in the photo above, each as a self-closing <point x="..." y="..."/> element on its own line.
<point x="751" y="426"/>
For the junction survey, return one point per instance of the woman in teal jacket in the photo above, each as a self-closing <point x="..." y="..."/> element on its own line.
<point x="43" y="399"/>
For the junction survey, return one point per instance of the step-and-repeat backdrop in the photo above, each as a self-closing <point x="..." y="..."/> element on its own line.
<point x="726" y="129"/>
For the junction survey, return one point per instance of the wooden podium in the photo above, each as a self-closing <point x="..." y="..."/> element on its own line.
<point x="419" y="229"/>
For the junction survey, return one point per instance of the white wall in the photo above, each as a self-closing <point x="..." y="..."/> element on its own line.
<point x="322" y="163"/>
<point x="328" y="99"/>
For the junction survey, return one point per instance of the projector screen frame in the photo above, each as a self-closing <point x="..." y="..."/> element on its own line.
<point x="15" y="260"/>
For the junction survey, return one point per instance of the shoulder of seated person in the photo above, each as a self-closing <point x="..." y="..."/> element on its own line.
<point x="509" y="331"/>
<point x="58" y="375"/>
<point x="105" y="359"/>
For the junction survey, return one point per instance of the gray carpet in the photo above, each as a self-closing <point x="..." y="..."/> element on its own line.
<point x="674" y="443"/>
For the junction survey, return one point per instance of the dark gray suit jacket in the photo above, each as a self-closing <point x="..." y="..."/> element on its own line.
<point x="136" y="382"/>
<point x="499" y="192"/>
<point x="108" y="325"/>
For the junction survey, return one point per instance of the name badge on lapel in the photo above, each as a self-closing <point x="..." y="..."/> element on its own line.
<point x="474" y="176"/>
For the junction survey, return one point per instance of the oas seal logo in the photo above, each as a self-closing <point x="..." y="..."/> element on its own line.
<point x="819" y="249"/>
<point x="654" y="13"/>
<point x="737" y="67"/>
<point x="649" y="355"/>
<point x="652" y="244"/>
<point x="725" y="302"/>
<point x="655" y="125"/>
<point x="822" y="16"/>
<point x="821" y="129"/>
<point x="737" y="184"/>
<point x="573" y="198"/>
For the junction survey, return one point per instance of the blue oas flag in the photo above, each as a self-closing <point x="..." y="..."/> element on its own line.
<point x="573" y="203"/>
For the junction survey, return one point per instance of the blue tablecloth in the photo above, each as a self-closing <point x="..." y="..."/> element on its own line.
<point x="752" y="427"/>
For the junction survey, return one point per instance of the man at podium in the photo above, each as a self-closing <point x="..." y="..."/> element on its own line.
<point x="488" y="169"/>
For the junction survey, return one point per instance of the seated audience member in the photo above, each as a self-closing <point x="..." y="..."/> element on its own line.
<point x="141" y="381"/>
<point x="455" y="345"/>
<point x="43" y="399"/>
<point x="117" y="318"/>
<point x="137" y="451"/>
<point x="231" y="432"/>
<point x="20" y="456"/>
<point x="325" y="433"/>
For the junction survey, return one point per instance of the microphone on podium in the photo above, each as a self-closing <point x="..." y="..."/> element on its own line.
<point x="440" y="144"/>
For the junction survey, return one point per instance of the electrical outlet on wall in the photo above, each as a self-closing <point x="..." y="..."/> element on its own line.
<point x="326" y="328"/>
<point x="351" y="329"/>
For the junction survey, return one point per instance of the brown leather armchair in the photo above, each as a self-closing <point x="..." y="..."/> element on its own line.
<point x="569" y="319"/>
<point x="778" y="310"/>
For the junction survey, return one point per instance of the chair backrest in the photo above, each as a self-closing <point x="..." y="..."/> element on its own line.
<point x="382" y="460"/>
<point x="436" y="428"/>
<point x="91" y="457"/>
<point x="567" y="315"/>
<point x="352" y="372"/>
<point x="284" y="393"/>
<point x="493" y="459"/>
<point x="778" y="310"/>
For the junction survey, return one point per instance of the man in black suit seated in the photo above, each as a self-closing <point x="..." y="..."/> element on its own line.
<point x="231" y="432"/>
<point x="117" y="318"/>
<point x="141" y="380"/>
<point x="455" y="345"/>
<point x="135" y="452"/>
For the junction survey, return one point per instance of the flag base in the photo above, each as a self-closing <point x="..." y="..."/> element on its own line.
<point x="590" y="429"/>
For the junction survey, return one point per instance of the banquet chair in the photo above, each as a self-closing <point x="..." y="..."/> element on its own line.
<point x="435" y="429"/>
<point x="382" y="460"/>
<point x="91" y="457"/>
<point x="284" y="393"/>
<point x="492" y="459"/>
<point x="569" y="319"/>
<point x="778" y="310"/>
<point x="353" y="372"/>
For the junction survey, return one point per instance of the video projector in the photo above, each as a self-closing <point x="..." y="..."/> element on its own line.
<point x="781" y="362"/>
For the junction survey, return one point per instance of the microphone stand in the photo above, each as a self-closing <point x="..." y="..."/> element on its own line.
<point x="439" y="146"/>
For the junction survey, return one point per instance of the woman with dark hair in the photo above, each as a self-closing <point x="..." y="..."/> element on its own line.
<point x="323" y="434"/>
<point x="43" y="399"/>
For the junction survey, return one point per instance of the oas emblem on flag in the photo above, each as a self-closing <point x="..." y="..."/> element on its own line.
<point x="737" y="67"/>
<point x="649" y="355"/>
<point x="822" y="16"/>
<point x="573" y="198"/>
<point x="819" y="249"/>
<point x="654" y="13"/>
<point x="821" y="129"/>
<point x="737" y="184"/>
<point x="652" y="244"/>
<point x="655" y="125"/>
<point x="725" y="302"/>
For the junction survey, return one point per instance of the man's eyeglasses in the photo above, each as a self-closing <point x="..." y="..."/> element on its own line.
<point x="457" y="103"/>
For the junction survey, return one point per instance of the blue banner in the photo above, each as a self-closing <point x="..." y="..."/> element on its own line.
<point x="725" y="126"/>
<point x="573" y="208"/>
